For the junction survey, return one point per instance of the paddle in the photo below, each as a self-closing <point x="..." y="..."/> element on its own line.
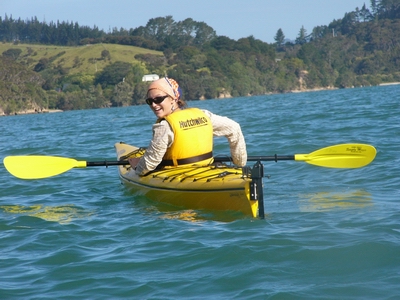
<point x="338" y="156"/>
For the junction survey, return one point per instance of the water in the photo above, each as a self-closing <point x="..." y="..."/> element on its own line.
<point x="328" y="233"/>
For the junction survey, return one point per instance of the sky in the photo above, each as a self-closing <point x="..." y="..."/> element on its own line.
<point x="232" y="18"/>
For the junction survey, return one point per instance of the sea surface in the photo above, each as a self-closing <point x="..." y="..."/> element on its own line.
<point x="328" y="233"/>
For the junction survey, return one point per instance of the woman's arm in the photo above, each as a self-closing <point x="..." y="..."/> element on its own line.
<point x="223" y="126"/>
<point x="163" y="138"/>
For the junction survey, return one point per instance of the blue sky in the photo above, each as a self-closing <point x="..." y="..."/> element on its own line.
<point x="232" y="18"/>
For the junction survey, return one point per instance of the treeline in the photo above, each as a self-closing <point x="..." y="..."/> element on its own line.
<point x="159" y="33"/>
<point x="55" y="33"/>
<point x="361" y="49"/>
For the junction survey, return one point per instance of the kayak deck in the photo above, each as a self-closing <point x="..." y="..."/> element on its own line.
<point x="213" y="187"/>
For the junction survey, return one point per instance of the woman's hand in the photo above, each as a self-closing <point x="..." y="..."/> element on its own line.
<point x="133" y="161"/>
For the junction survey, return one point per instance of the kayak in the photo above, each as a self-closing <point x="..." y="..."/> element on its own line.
<point x="215" y="187"/>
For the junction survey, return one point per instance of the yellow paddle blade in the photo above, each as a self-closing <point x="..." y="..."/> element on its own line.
<point x="35" y="167"/>
<point x="340" y="156"/>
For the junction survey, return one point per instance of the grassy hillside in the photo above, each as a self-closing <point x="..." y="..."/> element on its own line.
<point x="82" y="59"/>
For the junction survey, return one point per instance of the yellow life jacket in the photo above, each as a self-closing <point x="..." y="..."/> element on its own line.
<point x="193" y="138"/>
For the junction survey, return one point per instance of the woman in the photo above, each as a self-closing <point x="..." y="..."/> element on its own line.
<point x="184" y="135"/>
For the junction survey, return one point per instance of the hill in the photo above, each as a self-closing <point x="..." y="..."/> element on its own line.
<point x="35" y="78"/>
<point x="87" y="59"/>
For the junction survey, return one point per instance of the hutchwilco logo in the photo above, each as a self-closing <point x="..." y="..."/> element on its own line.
<point x="200" y="121"/>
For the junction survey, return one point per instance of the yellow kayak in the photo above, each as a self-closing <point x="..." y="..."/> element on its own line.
<point x="216" y="187"/>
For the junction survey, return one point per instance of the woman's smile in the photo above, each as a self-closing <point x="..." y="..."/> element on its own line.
<point x="163" y="108"/>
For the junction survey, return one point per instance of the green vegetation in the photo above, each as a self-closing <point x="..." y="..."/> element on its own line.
<point x="66" y="77"/>
<point x="72" y="67"/>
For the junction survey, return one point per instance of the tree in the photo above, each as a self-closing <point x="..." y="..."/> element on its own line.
<point x="42" y="64"/>
<point x="348" y="23"/>
<point x="374" y="7"/>
<point x="113" y="74"/>
<point x="279" y="37"/>
<point x="139" y="93"/>
<point x="364" y="13"/>
<point x="154" y="63"/>
<point x="319" y="32"/>
<point x="105" y="54"/>
<point x="159" y="28"/>
<point x="204" y="33"/>
<point x="12" y="53"/>
<point x="302" y="37"/>
<point x="122" y="95"/>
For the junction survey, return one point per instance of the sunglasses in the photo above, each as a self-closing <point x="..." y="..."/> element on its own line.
<point x="156" y="100"/>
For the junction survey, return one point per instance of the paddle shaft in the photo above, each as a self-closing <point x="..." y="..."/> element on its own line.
<point x="106" y="163"/>
<point x="217" y="159"/>
<point x="271" y="158"/>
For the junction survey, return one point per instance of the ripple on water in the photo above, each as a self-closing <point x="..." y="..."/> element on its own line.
<point x="327" y="233"/>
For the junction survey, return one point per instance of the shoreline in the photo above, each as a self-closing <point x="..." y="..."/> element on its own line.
<point x="222" y="96"/>
<point x="389" y="83"/>
<point x="31" y="112"/>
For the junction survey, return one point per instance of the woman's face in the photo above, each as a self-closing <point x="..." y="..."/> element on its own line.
<point x="165" y="108"/>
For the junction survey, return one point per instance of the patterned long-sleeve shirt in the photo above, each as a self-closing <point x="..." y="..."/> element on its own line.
<point x="163" y="137"/>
